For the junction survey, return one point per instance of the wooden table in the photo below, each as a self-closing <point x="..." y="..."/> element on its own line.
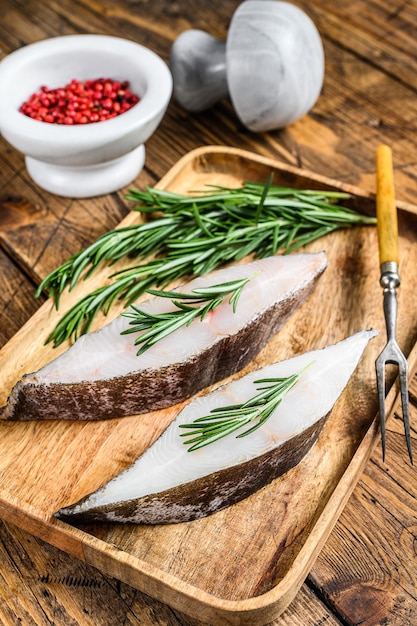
<point x="367" y="570"/>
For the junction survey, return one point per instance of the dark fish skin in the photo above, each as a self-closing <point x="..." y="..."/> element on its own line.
<point x="154" y="389"/>
<point x="206" y="495"/>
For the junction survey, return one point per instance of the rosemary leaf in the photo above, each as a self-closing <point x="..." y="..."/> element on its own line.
<point x="263" y="197"/>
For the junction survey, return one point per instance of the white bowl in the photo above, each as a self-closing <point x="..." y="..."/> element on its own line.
<point x="89" y="159"/>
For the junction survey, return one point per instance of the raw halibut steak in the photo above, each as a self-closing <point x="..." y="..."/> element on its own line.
<point x="168" y="483"/>
<point x="100" y="376"/>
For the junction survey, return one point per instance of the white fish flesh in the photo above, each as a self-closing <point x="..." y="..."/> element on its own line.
<point x="168" y="483"/>
<point x="101" y="376"/>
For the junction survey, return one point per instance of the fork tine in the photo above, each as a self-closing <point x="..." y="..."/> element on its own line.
<point x="380" y="379"/>
<point x="403" y="368"/>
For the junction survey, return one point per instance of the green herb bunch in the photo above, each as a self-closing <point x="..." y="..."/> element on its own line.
<point x="192" y="235"/>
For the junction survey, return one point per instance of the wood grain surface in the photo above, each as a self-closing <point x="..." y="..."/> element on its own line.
<point x="366" y="571"/>
<point x="233" y="556"/>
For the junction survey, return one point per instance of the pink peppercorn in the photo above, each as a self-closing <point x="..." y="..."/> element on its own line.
<point x="80" y="103"/>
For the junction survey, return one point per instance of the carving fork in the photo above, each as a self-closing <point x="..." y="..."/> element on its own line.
<point x="387" y="226"/>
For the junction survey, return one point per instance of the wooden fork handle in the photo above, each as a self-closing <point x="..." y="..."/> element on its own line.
<point x="386" y="210"/>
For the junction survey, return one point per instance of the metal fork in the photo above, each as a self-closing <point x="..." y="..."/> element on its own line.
<point x="387" y="226"/>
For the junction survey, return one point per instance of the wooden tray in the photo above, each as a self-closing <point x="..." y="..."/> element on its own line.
<point x="245" y="564"/>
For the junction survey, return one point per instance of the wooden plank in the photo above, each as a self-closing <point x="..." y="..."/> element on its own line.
<point x="379" y="33"/>
<point x="17" y="299"/>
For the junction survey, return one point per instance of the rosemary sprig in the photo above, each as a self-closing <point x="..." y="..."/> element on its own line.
<point x="160" y="325"/>
<point x="192" y="235"/>
<point x="137" y="240"/>
<point x="223" y="421"/>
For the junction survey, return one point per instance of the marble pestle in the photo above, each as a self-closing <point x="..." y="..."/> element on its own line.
<point x="271" y="65"/>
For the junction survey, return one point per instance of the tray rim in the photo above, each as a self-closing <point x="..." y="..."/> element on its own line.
<point x="162" y="585"/>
